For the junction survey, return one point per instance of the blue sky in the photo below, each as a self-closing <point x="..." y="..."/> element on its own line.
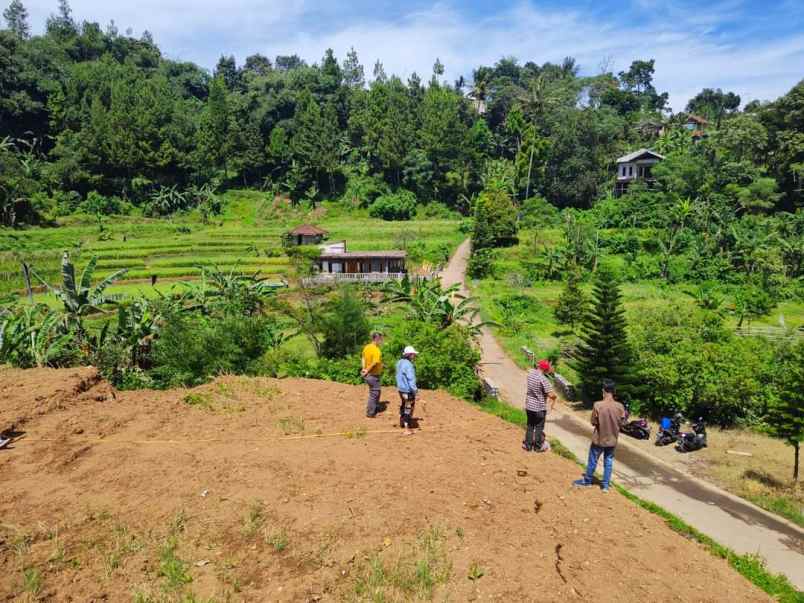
<point x="753" y="48"/>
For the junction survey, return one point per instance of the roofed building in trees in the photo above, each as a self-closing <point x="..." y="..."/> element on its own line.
<point x="335" y="264"/>
<point x="635" y="167"/>
<point x="696" y="125"/>
<point x="307" y="234"/>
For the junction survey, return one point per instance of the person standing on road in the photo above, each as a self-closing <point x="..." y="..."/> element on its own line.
<point x="539" y="390"/>
<point x="608" y="417"/>
<point x="372" y="371"/>
<point x="406" y="384"/>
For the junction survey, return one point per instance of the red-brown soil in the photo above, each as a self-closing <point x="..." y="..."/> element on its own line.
<point x="269" y="490"/>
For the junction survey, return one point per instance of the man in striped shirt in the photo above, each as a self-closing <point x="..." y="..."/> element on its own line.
<point x="539" y="390"/>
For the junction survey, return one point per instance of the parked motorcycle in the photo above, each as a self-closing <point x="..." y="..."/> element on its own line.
<point x="669" y="430"/>
<point x="691" y="441"/>
<point x="637" y="428"/>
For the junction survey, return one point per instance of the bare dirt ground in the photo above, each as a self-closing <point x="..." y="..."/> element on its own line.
<point x="268" y="490"/>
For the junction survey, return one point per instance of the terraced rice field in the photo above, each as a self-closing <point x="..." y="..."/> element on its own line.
<point x="246" y="238"/>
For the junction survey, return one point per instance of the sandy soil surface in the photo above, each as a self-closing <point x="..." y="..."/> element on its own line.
<point x="268" y="490"/>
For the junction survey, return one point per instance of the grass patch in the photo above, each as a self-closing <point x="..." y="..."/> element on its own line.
<point x="254" y="519"/>
<point x="355" y="433"/>
<point x="291" y="425"/>
<point x="476" y="572"/>
<point x="32" y="581"/>
<point x="171" y="567"/>
<point x="199" y="400"/>
<point x="278" y="539"/>
<point x="414" y="575"/>
<point x="123" y="545"/>
<point x="752" y="567"/>
<point x="787" y="506"/>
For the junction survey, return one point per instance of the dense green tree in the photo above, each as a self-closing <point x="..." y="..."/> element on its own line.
<point x="16" y="16"/>
<point x="317" y="141"/>
<point x="572" y="303"/>
<point x="495" y="220"/>
<point x="215" y="140"/>
<point x="604" y="352"/>
<point x="344" y="325"/>
<point x="714" y="104"/>
<point x="786" y="417"/>
<point x="353" y="75"/>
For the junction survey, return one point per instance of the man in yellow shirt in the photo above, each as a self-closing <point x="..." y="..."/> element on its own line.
<point x="372" y="371"/>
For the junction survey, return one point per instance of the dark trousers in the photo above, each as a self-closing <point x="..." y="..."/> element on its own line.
<point x="406" y="404"/>
<point x="373" y="382"/>
<point x="534" y="435"/>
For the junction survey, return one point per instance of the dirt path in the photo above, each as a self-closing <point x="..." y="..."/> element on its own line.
<point x="728" y="519"/>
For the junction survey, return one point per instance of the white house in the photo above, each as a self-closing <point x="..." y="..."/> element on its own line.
<point x="634" y="167"/>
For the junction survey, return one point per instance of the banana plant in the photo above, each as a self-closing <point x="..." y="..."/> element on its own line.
<point x="33" y="336"/>
<point x="48" y="341"/>
<point x="81" y="297"/>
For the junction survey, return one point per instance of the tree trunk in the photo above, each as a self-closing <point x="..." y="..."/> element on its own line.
<point x="26" y="275"/>
<point x="797" y="447"/>
<point x="530" y="168"/>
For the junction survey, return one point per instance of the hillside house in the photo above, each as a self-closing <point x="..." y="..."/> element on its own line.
<point x="307" y="234"/>
<point x="336" y="264"/>
<point x="696" y="125"/>
<point x="635" y="167"/>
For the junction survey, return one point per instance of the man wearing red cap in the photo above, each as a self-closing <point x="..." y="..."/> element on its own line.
<point x="539" y="390"/>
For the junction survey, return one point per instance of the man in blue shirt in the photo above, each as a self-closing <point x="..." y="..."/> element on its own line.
<point x="406" y="384"/>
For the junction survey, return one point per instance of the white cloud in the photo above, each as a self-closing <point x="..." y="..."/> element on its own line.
<point x="691" y="50"/>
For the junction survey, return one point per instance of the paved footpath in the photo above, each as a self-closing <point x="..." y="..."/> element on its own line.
<point x="726" y="518"/>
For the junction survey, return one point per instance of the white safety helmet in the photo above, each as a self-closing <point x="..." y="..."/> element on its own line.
<point x="409" y="349"/>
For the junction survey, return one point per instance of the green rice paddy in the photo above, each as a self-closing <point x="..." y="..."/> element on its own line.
<point x="246" y="238"/>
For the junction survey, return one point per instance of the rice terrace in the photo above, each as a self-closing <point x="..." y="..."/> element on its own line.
<point x="523" y="325"/>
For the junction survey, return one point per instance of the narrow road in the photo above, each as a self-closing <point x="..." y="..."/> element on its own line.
<point x="726" y="518"/>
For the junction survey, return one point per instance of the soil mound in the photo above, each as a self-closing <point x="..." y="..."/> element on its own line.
<point x="282" y="490"/>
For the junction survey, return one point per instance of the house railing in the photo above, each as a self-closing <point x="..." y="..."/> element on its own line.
<point x="326" y="278"/>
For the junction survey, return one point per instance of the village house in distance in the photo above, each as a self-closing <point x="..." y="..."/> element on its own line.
<point x="635" y="167"/>
<point x="336" y="264"/>
<point x="307" y="234"/>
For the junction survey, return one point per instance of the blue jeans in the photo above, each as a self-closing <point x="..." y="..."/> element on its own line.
<point x="608" y="463"/>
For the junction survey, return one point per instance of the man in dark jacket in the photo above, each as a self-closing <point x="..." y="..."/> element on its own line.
<point x="608" y="416"/>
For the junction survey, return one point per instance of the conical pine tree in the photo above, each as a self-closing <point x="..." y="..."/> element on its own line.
<point x="604" y="352"/>
<point x="786" y="416"/>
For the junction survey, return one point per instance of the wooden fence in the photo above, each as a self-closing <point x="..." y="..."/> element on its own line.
<point x="769" y="332"/>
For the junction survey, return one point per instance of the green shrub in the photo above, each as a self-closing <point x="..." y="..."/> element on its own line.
<point x="537" y="212"/>
<point x="435" y="210"/>
<point x="689" y="362"/>
<point x="481" y="263"/>
<point x="342" y="370"/>
<point x="192" y="349"/>
<point x="495" y="220"/>
<point x="400" y="205"/>
<point x="446" y="358"/>
<point x="344" y="327"/>
<point x="362" y="190"/>
<point x="95" y="203"/>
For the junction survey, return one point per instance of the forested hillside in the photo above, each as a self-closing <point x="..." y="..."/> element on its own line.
<point x="97" y="120"/>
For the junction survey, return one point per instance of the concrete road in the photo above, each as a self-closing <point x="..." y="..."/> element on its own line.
<point x="726" y="518"/>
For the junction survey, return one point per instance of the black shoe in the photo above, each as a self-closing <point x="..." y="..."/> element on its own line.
<point x="374" y="416"/>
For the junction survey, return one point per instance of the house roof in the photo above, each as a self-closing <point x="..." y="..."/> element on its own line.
<point x="308" y="230"/>
<point x="362" y="255"/>
<point x="697" y="119"/>
<point x="638" y="154"/>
